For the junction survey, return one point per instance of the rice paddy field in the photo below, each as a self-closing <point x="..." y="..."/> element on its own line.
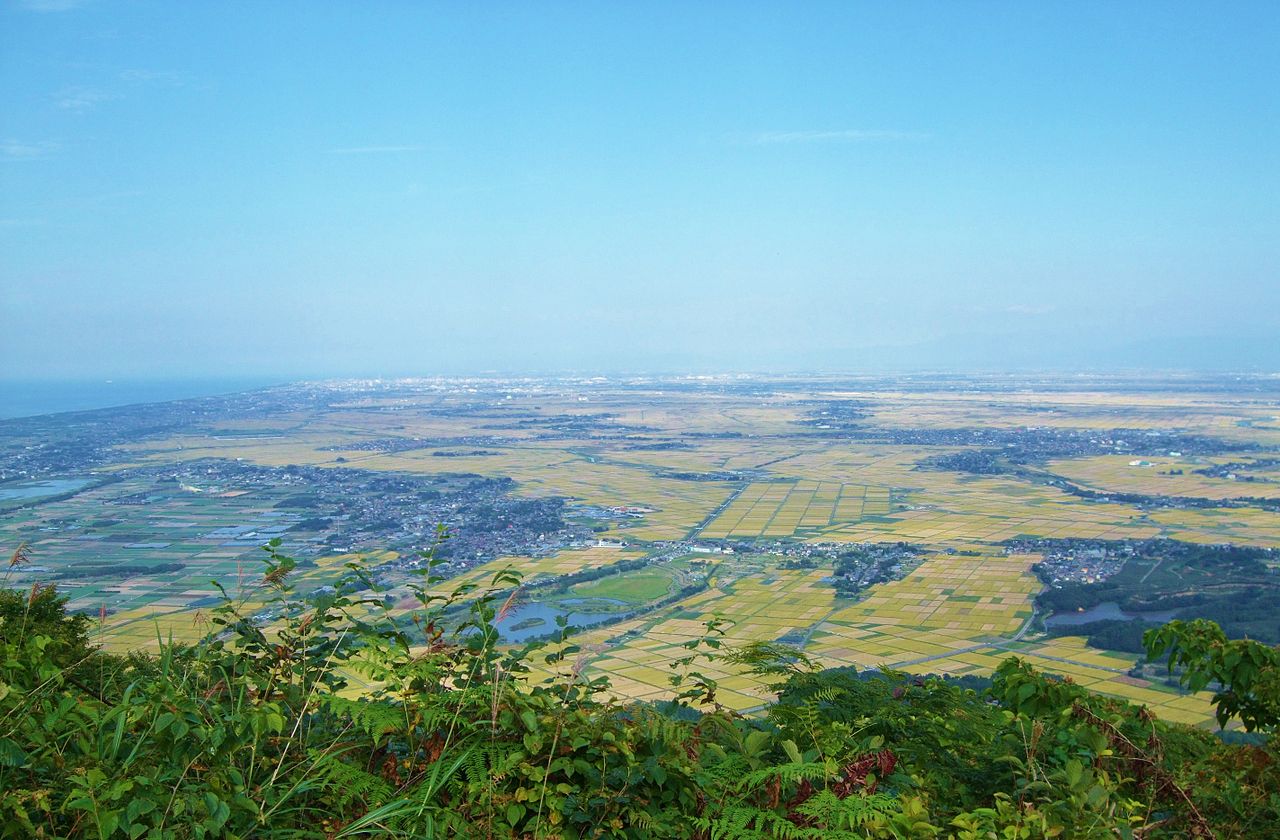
<point x="710" y="485"/>
<point x="173" y="547"/>
<point x="1170" y="476"/>
<point x="782" y="509"/>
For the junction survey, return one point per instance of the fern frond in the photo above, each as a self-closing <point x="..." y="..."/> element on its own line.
<point x="348" y="783"/>
<point x="790" y="773"/>
<point x="376" y="720"/>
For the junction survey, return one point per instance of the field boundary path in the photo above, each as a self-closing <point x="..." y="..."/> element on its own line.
<point x="711" y="517"/>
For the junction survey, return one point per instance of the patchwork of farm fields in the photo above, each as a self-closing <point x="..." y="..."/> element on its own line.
<point x="658" y="506"/>
<point x="781" y="509"/>
<point x="951" y="615"/>
<point x="105" y="548"/>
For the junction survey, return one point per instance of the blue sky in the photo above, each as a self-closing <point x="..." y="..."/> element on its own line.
<point x="276" y="188"/>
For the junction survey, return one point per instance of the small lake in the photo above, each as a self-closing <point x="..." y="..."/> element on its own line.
<point x="1106" y="611"/>
<point x="548" y="614"/>
<point x="37" y="489"/>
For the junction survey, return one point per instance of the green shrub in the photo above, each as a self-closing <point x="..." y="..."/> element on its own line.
<point x="262" y="731"/>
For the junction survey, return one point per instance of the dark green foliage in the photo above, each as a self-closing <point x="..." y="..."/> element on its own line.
<point x="1108" y="634"/>
<point x="119" y="570"/>
<point x="948" y="734"/>
<point x="40" y="612"/>
<point x="258" y="731"/>
<point x="858" y="568"/>
<point x="1245" y="673"/>
<point x="1252" y="613"/>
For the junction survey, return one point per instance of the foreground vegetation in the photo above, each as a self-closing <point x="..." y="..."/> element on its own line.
<point x="332" y="721"/>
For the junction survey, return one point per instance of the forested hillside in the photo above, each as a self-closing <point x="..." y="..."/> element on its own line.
<point x="260" y="731"/>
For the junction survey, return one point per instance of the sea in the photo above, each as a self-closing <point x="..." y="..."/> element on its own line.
<point x="31" y="398"/>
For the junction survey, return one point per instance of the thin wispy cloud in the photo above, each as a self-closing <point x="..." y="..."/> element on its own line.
<point x="1029" y="310"/>
<point x="80" y="99"/>
<point x="100" y="198"/>
<point x="51" y="5"/>
<point x="20" y="150"/>
<point x="374" y="150"/>
<point x="153" y="77"/>
<point x="1019" y="310"/>
<point x="848" y="135"/>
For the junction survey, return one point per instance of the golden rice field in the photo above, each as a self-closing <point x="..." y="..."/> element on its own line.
<point x="949" y="615"/>
<point x="1167" y="476"/>
<point x="1243" y="526"/>
<point x="987" y="509"/>
<point x="780" y="509"/>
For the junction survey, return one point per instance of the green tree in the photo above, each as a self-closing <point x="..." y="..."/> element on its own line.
<point x="1245" y="674"/>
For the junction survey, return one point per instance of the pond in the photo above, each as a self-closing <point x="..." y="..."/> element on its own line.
<point x="529" y="620"/>
<point x="1106" y="611"/>
<point x="23" y="490"/>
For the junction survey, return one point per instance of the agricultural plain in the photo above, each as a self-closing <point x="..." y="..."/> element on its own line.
<point x="645" y="508"/>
